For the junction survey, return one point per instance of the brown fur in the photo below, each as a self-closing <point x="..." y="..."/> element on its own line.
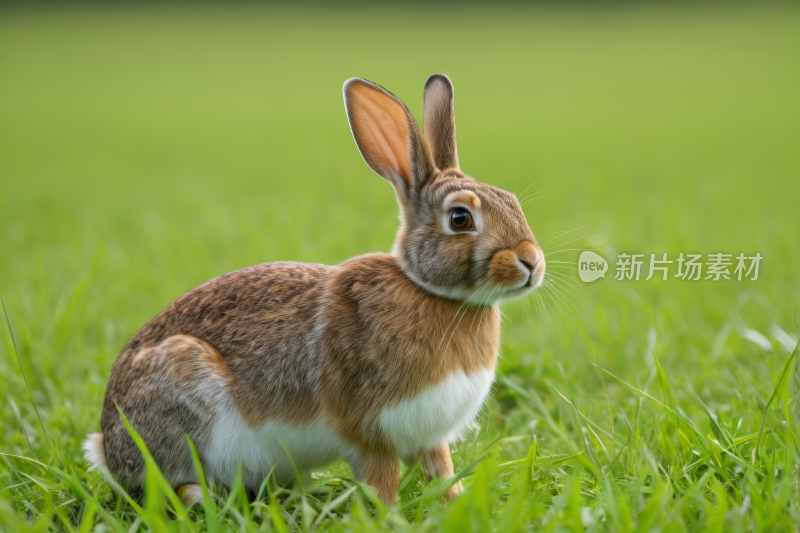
<point x="381" y="472"/>
<point x="437" y="463"/>
<point x="360" y="377"/>
<point x="439" y="121"/>
<point x="295" y="343"/>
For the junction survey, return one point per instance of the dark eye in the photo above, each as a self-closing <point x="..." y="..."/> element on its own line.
<point x="461" y="219"/>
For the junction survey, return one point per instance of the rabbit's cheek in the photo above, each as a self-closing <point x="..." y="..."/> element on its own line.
<point x="440" y="413"/>
<point x="505" y="271"/>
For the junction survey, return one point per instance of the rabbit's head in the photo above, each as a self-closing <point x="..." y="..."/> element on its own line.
<point x="459" y="238"/>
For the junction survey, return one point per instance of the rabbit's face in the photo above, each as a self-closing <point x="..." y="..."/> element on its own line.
<point x="467" y="240"/>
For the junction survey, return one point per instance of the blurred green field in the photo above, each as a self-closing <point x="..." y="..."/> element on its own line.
<point x="144" y="151"/>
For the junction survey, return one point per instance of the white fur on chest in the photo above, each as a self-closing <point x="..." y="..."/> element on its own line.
<point x="440" y="413"/>
<point x="233" y="443"/>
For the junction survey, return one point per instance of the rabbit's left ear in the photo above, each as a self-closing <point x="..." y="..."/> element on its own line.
<point x="387" y="136"/>
<point x="439" y="121"/>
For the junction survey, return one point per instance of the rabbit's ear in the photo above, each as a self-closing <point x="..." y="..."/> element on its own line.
<point x="387" y="135"/>
<point x="439" y="121"/>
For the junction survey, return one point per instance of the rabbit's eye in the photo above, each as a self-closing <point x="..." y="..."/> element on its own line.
<point x="461" y="219"/>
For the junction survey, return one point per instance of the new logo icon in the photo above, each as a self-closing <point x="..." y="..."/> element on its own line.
<point x="591" y="266"/>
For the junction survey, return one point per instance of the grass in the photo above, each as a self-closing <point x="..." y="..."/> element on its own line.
<point x="144" y="151"/>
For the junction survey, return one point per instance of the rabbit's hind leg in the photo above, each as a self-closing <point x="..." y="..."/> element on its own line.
<point x="167" y="392"/>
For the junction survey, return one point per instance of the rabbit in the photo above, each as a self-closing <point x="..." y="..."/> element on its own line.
<point x="386" y="357"/>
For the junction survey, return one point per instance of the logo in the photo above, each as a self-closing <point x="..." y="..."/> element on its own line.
<point x="591" y="266"/>
<point x="690" y="267"/>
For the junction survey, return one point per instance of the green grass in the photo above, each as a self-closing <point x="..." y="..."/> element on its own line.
<point x="145" y="151"/>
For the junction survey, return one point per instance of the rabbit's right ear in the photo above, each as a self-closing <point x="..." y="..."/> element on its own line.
<point x="387" y="135"/>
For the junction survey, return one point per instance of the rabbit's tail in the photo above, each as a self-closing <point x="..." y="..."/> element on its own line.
<point x="94" y="452"/>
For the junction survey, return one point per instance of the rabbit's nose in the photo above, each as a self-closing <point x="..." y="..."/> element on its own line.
<point x="528" y="254"/>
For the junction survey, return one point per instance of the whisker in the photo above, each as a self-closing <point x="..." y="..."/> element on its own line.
<point x="488" y="309"/>
<point x="567" y="301"/>
<point x="532" y="199"/>
<point x="558" y="320"/>
<point x="572" y="250"/>
<point x="546" y="314"/>
<point x="462" y="315"/>
<point x="535" y="193"/>
<point x="536" y="299"/>
<point x="548" y="289"/>
<point x="521" y="303"/>
<point x="446" y="346"/>
<point x="517" y="184"/>
<point x="556" y="288"/>
<point x="532" y="301"/>
<point x="578" y="298"/>
<point x="476" y="315"/>
<point x="565" y="291"/>
<point x="565" y="243"/>
<point x="463" y="304"/>
<point x="561" y="266"/>
<point x="528" y="187"/>
<point x="505" y="316"/>
<point x="562" y="233"/>
<point x="567" y="280"/>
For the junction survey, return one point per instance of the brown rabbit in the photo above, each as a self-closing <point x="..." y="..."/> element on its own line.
<point x="385" y="357"/>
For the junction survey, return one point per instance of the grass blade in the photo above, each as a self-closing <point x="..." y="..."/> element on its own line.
<point x="294" y="467"/>
<point x="208" y="504"/>
<point x="785" y="373"/>
<point x="17" y="414"/>
<point x="725" y="439"/>
<point x="674" y="413"/>
<point x="25" y="377"/>
<point x="669" y="394"/>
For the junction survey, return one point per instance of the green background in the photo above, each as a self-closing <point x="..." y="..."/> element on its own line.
<point x="144" y="151"/>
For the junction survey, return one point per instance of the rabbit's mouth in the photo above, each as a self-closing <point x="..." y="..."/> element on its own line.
<point x="536" y="276"/>
<point x="518" y="270"/>
<point x="509" y="283"/>
<point x="534" y="279"/>
<point x="531" y="284"/>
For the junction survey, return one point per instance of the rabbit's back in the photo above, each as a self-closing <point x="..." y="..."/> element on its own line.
<point x="255" y="318"/>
